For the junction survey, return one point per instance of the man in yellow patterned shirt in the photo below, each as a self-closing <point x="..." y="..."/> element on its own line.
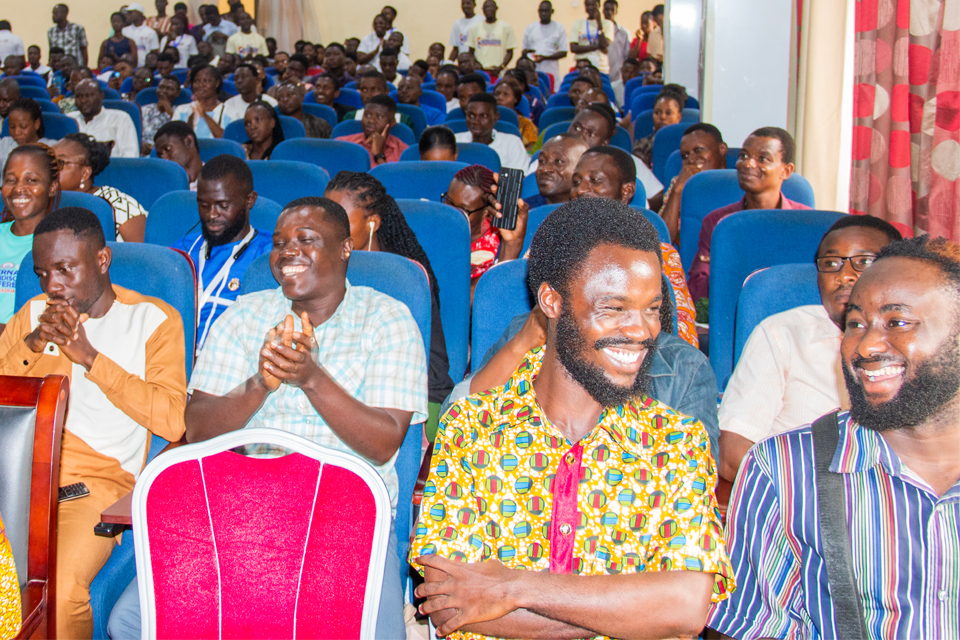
<point x="569" y="470"/>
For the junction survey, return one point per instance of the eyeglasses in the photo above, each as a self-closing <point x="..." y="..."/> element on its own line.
<point x="832" y="264"/>
<point x="445" y="199"/>
<point x="63" y="163"/>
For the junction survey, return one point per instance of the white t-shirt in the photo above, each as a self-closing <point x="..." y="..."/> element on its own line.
<point x="461" y="31"/>
<point x="618" y="51"/>
<point x="145" y="37"/>
<point x="235" y="107"/>
<point x="368" y="43"/>
<point x="490" y="42"/>
<point x="10" y="45"/>
<point x="508" y="146"/>
<point x="585" y="32"/>
<point x="546" y="40"/>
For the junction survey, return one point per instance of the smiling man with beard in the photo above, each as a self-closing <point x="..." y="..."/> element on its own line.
<point x="789" y="371"/>
<point x="567" y="503"/>
<point x="226" y="244"/>
<point x="898" y="462"/>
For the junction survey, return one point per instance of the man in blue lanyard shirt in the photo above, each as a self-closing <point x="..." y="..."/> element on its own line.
<point x="226" y="243"/>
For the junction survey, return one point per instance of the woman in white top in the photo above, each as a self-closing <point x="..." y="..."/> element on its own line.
<point x="179" y="38"/>
<point x="25" y="123"/>
<point x="206" y="113"/>
<point x="81" y="159"/>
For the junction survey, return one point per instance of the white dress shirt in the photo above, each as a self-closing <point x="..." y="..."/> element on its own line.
<point x="788" y="375"/>
<point x="508" y="146"/>
<point x="115" y="125"/>
<point x="546" y="40"/>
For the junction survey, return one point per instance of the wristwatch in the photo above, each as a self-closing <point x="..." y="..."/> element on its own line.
<point x="380" y="156"/>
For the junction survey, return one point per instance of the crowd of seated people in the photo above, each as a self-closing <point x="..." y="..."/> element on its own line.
<point x="576" y="474"/>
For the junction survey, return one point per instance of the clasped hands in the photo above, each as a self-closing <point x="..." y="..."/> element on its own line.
<point x="460" y="594"/>
<point x="288" y="356"/>
<point x="62" y="325"/>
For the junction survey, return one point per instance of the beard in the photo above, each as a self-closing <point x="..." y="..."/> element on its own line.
<point x="225" y="236"/>
<point x="570" y="346"/>
<point x="934" y="384"/>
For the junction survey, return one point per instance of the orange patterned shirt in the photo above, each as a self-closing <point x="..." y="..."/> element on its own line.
<point x="9" y="590"/>
<point x="635" y="494"/>
<point x="686" y="312"/>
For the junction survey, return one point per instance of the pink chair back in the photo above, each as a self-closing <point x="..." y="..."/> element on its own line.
<point x="230" y="546"/>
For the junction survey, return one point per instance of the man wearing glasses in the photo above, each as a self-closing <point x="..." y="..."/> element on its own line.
<point x="789" y="373"/>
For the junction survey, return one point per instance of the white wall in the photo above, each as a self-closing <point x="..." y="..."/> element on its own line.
<point x="747" y="71"/>
<point x="683" y="23"/>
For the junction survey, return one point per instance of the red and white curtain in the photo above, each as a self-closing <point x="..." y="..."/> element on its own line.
<point x="906" y="136"/>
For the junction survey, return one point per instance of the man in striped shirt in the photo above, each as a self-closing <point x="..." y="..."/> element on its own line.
<point x="899" y="458"/>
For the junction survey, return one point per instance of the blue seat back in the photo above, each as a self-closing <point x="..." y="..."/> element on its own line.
<point x="444" y="234"/>
<point x="554" y="115"/>
<point x="127" y="85"/>
<point x="417" y="180"/>
<point x="131" y="109"/>
<point x="621" y="140"/>
<point x="100" y="207"/>
<point x="332" y="155"/>
<point x="407" y="282"/>
<point x="770" y="291"/>
<point x="35" y="92"/>
<point x="212" y="147"/>
<point x="773" y="237"/>
<point x="175" y="215"/>
<point x="180" y="74"/>
<point x="501" y="295"/>
<point x="283" y="181"/>
<point x="467" y="153"/>
<point x="350" y="127"/>
<point x="149" y="96"/>
<point x="554" y="129"/>
<point x="710" y="190"/>
<point x="47" y="106"/>
<point x="28" y="81"/>
<point x="433" y="99"/>
<point x="417" y="115"/>
<point x="321" y="111"/>
<point x="292" y="129"/>
<point x="350" y="98"/>
<point x="55" y="125"/>
<point x="665" y="142"/>
<point x="108" y="93"/>
<point x="559" y="100"/>
<point x="229" y="88"/>
<point x="534" y="219"/>
<point x="145" y="179"/>
<point x="159" y="272"/>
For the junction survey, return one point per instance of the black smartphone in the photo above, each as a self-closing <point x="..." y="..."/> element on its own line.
<point x="508" y="192"/>
<point x="73" y="492"/>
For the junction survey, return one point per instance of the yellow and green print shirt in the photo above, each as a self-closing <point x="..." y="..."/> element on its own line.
<point x="635" y="494"/>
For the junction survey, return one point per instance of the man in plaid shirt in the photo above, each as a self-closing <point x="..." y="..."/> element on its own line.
<point x="69" y="36"/>
<point x="338" y="364"/>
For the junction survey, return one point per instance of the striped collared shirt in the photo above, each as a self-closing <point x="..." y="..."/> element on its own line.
<point x="905" y="543"/>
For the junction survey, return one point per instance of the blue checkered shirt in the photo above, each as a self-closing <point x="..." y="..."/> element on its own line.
<point x="371" y="346"/>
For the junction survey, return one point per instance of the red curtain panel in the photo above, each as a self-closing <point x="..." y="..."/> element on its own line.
<point x="906" y="136"/>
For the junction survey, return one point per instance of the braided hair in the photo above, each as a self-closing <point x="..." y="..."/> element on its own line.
<point x="476" y="176"/>
<point x="97" y="153"/>
<point x="46" y="153"/>
<point x="394" y="233"/>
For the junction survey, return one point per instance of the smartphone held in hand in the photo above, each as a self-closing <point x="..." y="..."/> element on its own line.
<point x="508" y="193"/>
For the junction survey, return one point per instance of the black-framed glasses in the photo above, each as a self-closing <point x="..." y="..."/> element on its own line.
<point x="445" y="199"/>
<point x="832" y="264"/>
